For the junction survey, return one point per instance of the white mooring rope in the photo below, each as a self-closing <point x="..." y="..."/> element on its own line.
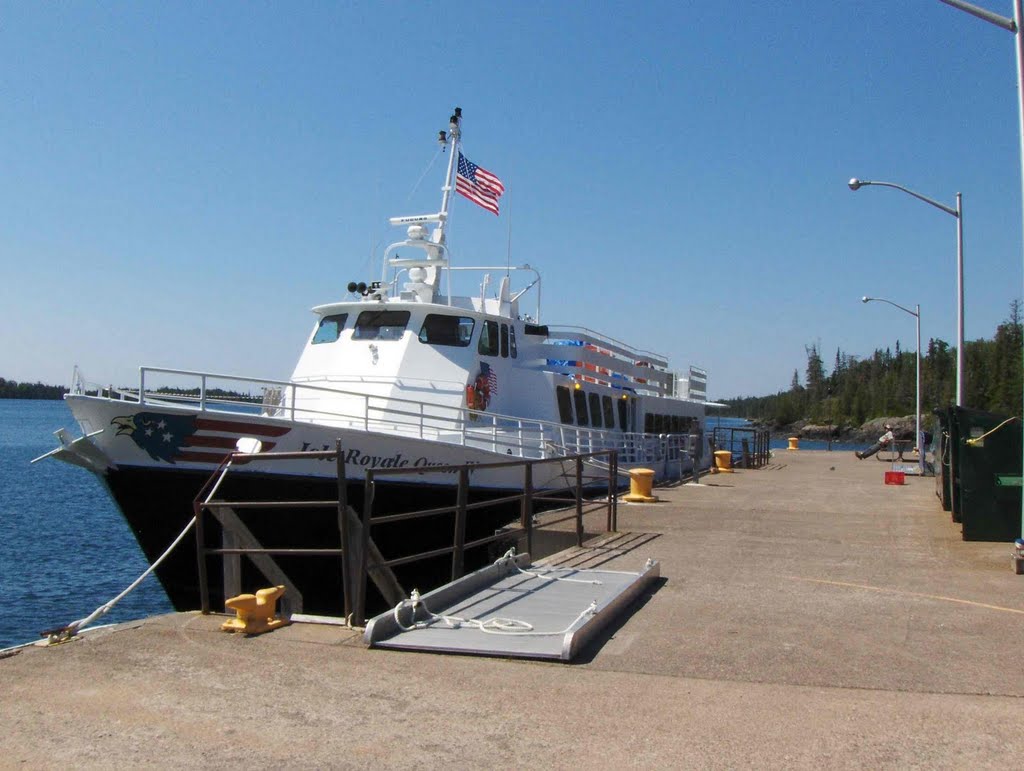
<point x="495" y="624"/>
<point x="511" y="553"/>
<point x="69" y="631"/>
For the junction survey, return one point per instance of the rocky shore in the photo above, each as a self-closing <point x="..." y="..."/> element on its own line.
<point x="902" y="428"/>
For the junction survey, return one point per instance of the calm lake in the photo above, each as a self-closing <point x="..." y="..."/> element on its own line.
<point x="65" y="549"/>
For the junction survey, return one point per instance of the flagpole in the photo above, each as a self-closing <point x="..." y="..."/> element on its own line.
<point x="454" y="135"/>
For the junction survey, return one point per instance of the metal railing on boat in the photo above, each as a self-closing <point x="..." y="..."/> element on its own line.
<point x="282" y="400"/>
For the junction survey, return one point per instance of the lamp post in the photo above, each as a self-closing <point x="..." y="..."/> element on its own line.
<point x="916" y="313"/>
<point x="1010" y="25"/>
<point x="958" y="212"/>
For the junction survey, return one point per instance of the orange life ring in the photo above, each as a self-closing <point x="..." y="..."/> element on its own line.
<point x="471" y="397"/>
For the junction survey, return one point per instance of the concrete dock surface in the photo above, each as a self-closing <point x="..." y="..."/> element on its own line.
<point x="808" y="615"/>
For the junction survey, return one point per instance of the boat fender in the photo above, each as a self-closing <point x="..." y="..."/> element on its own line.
<point x="471" y="397"/>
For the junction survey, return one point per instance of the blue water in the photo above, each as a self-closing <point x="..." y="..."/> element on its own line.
<point x="781" y="442"/>
<point x="65" y="549"/>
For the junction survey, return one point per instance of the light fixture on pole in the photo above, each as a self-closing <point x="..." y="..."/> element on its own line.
<point x="958" y="212"/>
<point x="916" y="313"/>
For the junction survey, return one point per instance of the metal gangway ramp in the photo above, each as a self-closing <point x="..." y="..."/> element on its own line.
<point x="512" y="609"/>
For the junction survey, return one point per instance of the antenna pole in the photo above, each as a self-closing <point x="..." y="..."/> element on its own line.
<point x="454" y="140"/>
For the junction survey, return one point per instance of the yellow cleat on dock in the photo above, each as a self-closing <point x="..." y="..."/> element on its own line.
<point x="256" y="613"/>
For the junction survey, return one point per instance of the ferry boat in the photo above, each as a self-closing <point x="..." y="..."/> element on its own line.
<point x="405" y="373"/>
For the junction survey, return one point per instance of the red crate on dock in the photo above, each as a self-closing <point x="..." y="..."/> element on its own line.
<point x="895" y="477"/>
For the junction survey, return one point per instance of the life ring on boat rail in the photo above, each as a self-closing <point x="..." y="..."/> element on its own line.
<point x="471" y="397"/>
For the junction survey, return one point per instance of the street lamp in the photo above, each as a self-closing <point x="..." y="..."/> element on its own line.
<point x="958" y="212"/>
<point x="916" y="313"/>
<point x="1013" y="25"/>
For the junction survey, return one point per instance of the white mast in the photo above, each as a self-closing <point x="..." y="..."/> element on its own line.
<point x="453" y="139"/>
<point x="424" y="272"/>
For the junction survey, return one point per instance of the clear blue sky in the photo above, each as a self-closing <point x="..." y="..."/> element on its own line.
<point x="181" y="182"/>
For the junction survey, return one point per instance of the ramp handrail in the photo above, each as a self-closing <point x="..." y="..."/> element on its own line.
<point x="526" y="499"/>
<point x="357" y="548"/>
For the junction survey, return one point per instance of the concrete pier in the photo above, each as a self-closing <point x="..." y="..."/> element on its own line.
<point x="809" y="615"/>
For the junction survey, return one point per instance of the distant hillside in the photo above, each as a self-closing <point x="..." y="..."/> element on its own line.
<point x="11" y="389"/>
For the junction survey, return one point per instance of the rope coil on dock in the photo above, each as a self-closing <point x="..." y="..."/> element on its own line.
<point x="493" y="625"/>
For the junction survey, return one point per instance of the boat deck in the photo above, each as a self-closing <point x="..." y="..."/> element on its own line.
<point x="807" y="615"/>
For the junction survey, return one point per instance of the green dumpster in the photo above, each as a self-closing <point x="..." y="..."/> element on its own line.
<point x="986" y="461"/>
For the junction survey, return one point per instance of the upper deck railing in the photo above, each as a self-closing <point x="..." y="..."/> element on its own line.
<point x="578" y="351"/>
<point x="296" y="402"/>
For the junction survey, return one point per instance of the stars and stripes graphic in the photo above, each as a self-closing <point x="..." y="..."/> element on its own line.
<point x="490" y="377"/>
<point x="478" y="184"/>
<point x="190" y="438"/>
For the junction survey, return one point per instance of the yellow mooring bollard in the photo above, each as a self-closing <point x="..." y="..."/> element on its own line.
<point x="794" y="443"/>
<point x="723" y="461"/>
<point x="641" y="480"/>
<point x="256" y="613"/>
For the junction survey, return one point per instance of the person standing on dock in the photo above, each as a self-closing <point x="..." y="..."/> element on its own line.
<point x="883" y="441"/>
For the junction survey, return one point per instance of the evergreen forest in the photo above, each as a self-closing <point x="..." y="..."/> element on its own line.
<point x="856" y="390"/>
<point x="11" y="389"/>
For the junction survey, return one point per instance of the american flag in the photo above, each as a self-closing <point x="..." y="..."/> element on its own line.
<point x="478" y="185"/>
<point x="492" y="378"/>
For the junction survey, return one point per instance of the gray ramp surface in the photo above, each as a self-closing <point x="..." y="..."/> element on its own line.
<point x="512" y="609"/>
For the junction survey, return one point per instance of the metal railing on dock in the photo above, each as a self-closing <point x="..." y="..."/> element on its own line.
<point x="360" y="559"/>
<point x="749" y="445"/>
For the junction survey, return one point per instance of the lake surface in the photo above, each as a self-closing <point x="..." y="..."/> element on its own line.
<point x="65" y="549"/>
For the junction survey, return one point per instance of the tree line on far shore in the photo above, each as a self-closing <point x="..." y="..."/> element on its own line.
<point x="883" y="384"/>
<point x="11" y="389"/>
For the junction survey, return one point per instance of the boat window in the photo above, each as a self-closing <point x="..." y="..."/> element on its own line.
<point x="580" y="400"/>
<point x="504" y="341"/>
<point x="329" y="328"/>
<point x="439" y="329"/>
<point x="648" y="423"/>
<point x="513" y="351"/>
<point x="622" y="415"/>
<point x="595" y="410"/>
<point x="381" y="325"/>
<point x="564" y="404"/>
<point x="609" y="413"/>
<point x="488" y="345"/>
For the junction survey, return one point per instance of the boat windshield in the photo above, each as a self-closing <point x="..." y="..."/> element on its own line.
<point x="381" y="325"/>
<point x="439" y="329"/>
<point x="330" y="328"/>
